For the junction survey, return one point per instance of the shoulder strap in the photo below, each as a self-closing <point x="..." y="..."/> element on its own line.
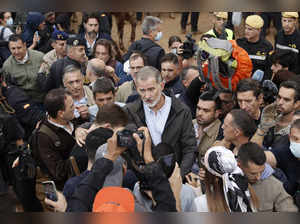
<point x="48" y="131"/>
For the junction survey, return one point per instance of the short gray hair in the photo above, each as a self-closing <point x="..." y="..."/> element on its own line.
<point x="150" y="23"/>
<point x="70" y="69"/>
<point x="149" y="72"/>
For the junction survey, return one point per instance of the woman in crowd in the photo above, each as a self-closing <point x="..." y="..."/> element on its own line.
<point x="227" y="189"/>
<point x="103" y="50"/>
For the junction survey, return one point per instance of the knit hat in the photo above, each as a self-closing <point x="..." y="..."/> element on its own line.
<point x="255" y="21"/>
<point x="114" y="199"/>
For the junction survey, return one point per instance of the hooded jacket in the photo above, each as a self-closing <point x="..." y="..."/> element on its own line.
<point x="34" y="19"/>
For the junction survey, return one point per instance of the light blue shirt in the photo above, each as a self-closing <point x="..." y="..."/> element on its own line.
<point x="156" y="121"/>
<point x="82" y="101"/>
<point x="93" y="110"/>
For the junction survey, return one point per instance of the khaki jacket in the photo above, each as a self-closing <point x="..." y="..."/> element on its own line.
<point x="49" y="59"/>
<point x="209" y="136"/>
<point x="124" y="91"/>
<point x="24" y="75"/>
<point x="89" y="95"/>
<point x="273" y="197"/>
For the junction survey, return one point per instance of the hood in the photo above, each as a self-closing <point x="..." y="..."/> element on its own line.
<point x="34" y="19"/>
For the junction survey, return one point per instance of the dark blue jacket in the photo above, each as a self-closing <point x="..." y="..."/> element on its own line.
<point x="34" y="19"/>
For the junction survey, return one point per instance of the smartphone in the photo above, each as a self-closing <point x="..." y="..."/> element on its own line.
<point x="50" y="190"/>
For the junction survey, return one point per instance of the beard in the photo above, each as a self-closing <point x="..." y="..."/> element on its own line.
<point x="92" y="34"/>
<point x="155" y="102"/>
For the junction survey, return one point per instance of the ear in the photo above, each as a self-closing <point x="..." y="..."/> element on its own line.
<point x="53" y="44"/>
<point x="60" y="114"/>
<point x="297" y="105"/>
<point x="107" y="125"/>
<point x="162" y="84"/>
<point x="184" y="82"/>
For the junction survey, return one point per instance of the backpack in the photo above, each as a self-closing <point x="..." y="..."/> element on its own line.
<point x="4" y="50"/>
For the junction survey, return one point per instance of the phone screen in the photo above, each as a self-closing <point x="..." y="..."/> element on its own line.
<point x="50" y="190"/>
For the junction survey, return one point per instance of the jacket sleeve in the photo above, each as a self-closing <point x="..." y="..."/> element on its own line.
<point x="161" y="188"/>
<point x="132" y="47"/>
<point x="83" y="197"/>
<point x="51" y="158"/>
<point x="284" y="202"/>
<point x="121" y="74"/>
<point x="188" y="145"/>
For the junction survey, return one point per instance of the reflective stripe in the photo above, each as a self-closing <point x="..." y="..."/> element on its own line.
<point x="287" y="48"/>
<point x="258" y="57"/>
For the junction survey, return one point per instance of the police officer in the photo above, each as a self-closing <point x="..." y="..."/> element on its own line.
<point x="76" y="55"/>
<point x="289" y="37"/>
<point x="256" y="46"/>
<point x="219" y="30"/>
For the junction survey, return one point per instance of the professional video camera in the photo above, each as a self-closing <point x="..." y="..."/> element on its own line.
<point x="189" y="47"/>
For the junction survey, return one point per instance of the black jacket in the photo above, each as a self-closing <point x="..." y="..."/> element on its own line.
<point x="54" y="78"/>
<point x="258" y="52"/>
<point x="178" y="132"/>
<point x="149" y="48"/>
<point x="83" y="197"/>
<point x="289" y="42"/>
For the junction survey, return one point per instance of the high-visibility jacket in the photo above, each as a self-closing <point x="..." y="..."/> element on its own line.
<point x="242" y="71"/>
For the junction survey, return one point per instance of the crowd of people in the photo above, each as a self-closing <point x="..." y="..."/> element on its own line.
<point x="207" y="125"/>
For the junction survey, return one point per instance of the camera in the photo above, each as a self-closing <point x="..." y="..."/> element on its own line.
<point x="189" y="47"/>
<point x="125" y="138"/>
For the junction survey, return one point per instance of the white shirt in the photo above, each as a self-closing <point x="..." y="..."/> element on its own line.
<point x="156" y="121"/>
<point x="63" y="126"/>
<point x="82" y="101"/>
<point x="200" y="204"/>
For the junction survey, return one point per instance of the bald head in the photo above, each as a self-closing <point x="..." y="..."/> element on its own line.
<point x="95" y="69"/>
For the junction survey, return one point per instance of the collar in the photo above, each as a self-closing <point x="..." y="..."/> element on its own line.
<point x="168" y="101"/>
<point x="210" y="129"/>
<point x="63" y="126"/>
<point x="25" y="59"/>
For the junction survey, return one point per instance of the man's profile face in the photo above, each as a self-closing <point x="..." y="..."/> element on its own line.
<point x="252" y="171"/>
<point x="228" y="128"/>
<point x="104" y="98"/>
<point x="248" y="102"/>
<point x="68" y="113"/>
<point x="77" y="53"/>
<point x="169" y="71"/>
<point x="190" y="76"/>
<point x="150" y="91"/>
<point x="18" y="49"/>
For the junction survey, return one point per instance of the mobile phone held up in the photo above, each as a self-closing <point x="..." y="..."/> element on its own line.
<point x="50" y="190"/>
